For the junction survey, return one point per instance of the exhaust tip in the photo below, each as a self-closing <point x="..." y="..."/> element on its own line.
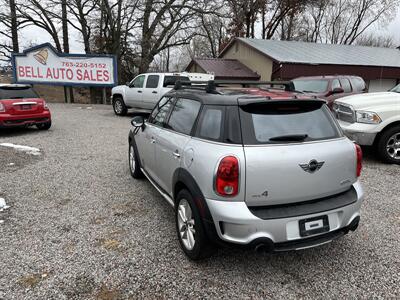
<point x="260" y="248"/>
<point x="354" y="224"/>
<point x="262" y="245"/>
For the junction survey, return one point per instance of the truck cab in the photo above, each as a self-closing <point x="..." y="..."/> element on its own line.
<point x="144" y="91"/>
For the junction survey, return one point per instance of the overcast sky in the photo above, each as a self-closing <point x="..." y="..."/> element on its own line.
<point x="33" y="36"/>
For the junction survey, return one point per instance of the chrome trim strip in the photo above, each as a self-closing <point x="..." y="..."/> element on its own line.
<point x="166" y="197"/>
<point x="22" y="103"/>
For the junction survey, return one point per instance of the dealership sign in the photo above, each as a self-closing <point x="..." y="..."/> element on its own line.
<point x="43" y="64"/>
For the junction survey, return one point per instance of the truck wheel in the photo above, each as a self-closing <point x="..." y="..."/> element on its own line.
<point x="134" y="163"/>
<point x="189" y="226"/>
<point x="389" y="145"/>
<point x="119" y="106"/>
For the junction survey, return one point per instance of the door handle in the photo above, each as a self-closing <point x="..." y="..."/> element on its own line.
<point x="152" y="140"/>
<point x="139" y="91"/>
<point x="154" y="92"/>
<point x="176" y="154"/>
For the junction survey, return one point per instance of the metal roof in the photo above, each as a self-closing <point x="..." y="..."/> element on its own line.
<point x="225" y="68"/>
<point x="331" y="54"/>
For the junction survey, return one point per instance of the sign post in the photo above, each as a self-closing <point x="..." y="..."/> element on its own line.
<point x="43" y="64"/>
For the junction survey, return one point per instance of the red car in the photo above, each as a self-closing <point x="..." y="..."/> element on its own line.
<point x="20" y="106"/>
<point x="331" y="87"/>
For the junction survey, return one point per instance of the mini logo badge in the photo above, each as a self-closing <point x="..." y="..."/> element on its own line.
<point x="312" y="166"/>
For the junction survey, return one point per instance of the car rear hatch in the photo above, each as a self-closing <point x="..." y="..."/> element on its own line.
<point x="294" y="152"/>
<point x="20" y="100"/>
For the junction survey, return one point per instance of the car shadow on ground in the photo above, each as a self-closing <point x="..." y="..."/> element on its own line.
<point x="18" y="131"/>
<point x="370" y="154"/>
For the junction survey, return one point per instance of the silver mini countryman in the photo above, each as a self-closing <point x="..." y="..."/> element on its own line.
<point x="260" y="167"/>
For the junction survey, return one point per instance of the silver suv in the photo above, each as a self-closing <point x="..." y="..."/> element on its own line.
<point x="259" y="167"/>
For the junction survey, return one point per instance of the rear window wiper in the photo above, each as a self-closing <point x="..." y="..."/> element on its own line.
<point x="289" y="137"/>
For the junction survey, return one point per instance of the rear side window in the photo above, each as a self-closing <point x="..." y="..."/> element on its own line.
<point x="358" y="84"/>
<point x="152" y="81"/>
<point x="269" y="123"/>
<point x="184" y="115"/>
<point x="160" y="112"/>
<point x="17" y="93"/>
<point x="345" y="85"/>
<point x="210" y="123"/>
<point x="170" y="80"/>
<point x="335" y="84"/>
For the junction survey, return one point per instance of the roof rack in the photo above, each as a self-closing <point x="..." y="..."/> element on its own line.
<point x="211" y="85"/>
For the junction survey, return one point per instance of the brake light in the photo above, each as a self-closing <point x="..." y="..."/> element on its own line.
<point x="359" y="160"/>
<point x="2" y="107"/>
<point x="227" y="177"/>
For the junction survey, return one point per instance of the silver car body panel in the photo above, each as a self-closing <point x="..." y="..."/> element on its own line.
<point x="274" y="174"/>
<point x="241" y="226"/>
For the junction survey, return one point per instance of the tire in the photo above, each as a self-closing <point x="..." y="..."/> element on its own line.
<point x="119" y="106"/>
<point x="190" y="229"/>
<point x="134" y="163"/>
<point x="44" y="126"/>
<point x="388" y="145"/>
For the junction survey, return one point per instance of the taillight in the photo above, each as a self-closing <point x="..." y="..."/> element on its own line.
<point x="227" y="177"/>
<point x="2" y="107"/>
<point x="359" y="160"/>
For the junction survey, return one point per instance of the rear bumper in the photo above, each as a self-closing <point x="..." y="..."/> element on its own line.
<point x="8" y="121"/>
<point x="235" y="223"/>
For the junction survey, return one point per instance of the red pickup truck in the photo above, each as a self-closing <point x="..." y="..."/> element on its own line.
<point x="20" y="106"/>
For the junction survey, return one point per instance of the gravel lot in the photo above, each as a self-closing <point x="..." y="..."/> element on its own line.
<point x="79" y="227"/>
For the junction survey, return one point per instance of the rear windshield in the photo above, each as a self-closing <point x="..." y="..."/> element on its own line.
<point x="271" y="123"/>
<point x="170" y="80"/>
<point x="311" y="86"/>
<point x="17" y="93"/>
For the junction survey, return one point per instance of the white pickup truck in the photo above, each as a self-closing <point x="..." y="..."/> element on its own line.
<point x="373" y="120"/>
<point x="144" y="91"/>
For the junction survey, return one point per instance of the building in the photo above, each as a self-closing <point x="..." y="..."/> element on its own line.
<point x="222" y="69"/>
<point x="285" y="60"/>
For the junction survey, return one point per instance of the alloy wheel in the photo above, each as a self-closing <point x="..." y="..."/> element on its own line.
<point x="393" y="146"/>
<point x="118" y="106"/>
<point x="186" y="224"/>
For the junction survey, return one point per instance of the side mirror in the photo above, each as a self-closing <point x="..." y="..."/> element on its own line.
<point x="127" y="83"/>
<point x="137" y="122"/>
<point x="337" y="90"/>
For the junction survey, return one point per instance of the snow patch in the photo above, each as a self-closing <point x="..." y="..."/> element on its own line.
<point x="3" y="204"/>
<point x="26" y="149"/>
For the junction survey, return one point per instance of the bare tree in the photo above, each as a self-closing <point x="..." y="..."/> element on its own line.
<point x="376" y="41"/>
<point x="41" y="14"/>
<point x="9" y="30"/>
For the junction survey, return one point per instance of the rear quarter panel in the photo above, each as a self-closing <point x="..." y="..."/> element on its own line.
<point x="201" y="160"/>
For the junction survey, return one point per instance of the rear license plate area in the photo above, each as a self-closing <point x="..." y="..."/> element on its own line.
<point x="313" y="226"/>
<point x="26" y="106"/>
